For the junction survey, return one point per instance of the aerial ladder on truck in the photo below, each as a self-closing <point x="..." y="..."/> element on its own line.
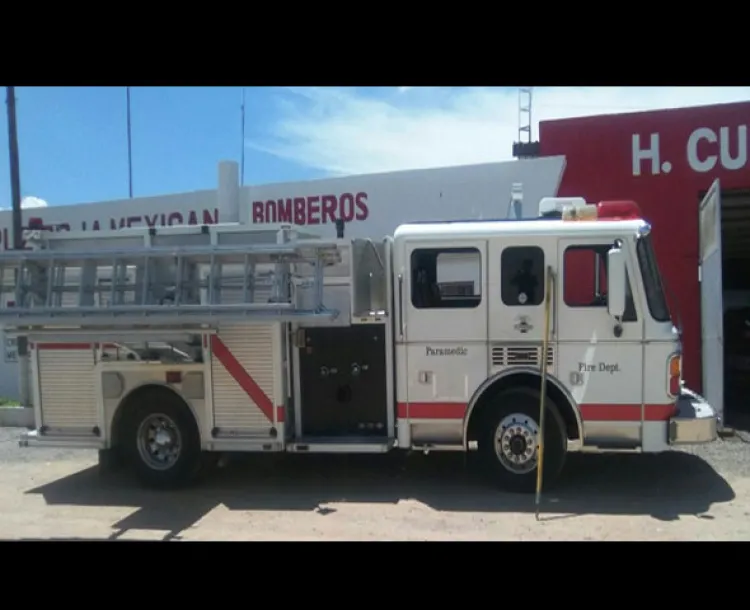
<point x="166" y="278"/>
<point x="138" y="278"/>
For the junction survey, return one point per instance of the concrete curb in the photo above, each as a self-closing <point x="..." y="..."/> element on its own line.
<point x="16" y="417"/>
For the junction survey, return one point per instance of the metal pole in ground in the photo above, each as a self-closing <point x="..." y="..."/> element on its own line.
<point x="543" y="391"/>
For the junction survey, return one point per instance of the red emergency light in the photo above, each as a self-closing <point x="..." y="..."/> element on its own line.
<point x="604" y="210"/>
<point x="618" y="210"/>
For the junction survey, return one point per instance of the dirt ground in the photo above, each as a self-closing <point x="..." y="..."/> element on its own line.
<point x="697" y="494"/>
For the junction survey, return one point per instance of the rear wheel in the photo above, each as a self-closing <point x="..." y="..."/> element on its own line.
<point x="162" y="442"/>
<point x="509" y="441"/>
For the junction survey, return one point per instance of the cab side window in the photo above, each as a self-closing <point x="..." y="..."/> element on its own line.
<point x="446" y="278"/>
<point x="522" y="276"/>
<point x="585" y="279"/>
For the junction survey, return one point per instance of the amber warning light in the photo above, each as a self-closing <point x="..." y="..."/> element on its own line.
<point x="675" y="375"/>
<point x="604" y="210"/>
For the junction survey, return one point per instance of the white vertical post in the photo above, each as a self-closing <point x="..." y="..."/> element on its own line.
<point x="228" y="192"/>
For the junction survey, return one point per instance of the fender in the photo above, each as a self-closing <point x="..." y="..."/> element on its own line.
<point x="508" y="373"/>
<point x="149" y="383"/>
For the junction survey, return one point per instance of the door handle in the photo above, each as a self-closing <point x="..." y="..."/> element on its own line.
<point x="401" y="305"/>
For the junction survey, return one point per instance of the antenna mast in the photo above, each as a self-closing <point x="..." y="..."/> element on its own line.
<point x="525" y="148"/>
<point x="525" y="97"/>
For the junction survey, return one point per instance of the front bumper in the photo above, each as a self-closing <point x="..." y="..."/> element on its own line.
<point x="696" y="421"/>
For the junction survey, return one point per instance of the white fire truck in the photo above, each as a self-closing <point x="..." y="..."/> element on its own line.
<point x="164" y="347"/>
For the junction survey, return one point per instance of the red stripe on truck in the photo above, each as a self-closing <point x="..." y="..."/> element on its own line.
<point x="432" y="410"/>
<point x="243" y="378"/>
<point x="64" y="346"/>
<point x="590" y="412"/>
<point x="627" y="412"/>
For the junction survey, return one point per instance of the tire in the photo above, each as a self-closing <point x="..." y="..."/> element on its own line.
<point x="176" y="463"/>
<point x="521" y="405"/>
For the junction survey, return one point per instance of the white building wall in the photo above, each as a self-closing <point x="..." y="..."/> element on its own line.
<point x="373" y="205"/>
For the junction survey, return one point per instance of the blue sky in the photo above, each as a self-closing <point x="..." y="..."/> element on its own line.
<point x="73" y="140"/>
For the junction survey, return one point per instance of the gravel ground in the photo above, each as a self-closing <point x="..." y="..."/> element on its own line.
<point x="702" y="493"/>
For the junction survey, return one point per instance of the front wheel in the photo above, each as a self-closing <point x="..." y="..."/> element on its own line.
<point x="509" y="441"/>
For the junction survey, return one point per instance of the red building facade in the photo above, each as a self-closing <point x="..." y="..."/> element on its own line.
<point x="665" y="160"/>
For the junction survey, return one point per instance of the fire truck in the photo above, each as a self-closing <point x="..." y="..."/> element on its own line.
<point x="519" y="340"/>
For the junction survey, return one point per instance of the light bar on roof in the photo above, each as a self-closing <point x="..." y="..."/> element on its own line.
<point x="604" y="210"/>
<point x="553" y="206"/>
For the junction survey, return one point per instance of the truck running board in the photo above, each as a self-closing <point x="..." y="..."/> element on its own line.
<point x="577" y="447"/>
<point x="341" y="445"/>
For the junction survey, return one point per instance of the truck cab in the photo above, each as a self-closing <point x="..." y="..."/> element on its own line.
<point x="478" y="300"/>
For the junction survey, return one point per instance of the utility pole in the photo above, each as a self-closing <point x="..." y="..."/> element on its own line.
<point x="242" y="130"/>
<point x="130" y="146"/>
<point x="15" y="176"/>
<point x="24" y="368"/>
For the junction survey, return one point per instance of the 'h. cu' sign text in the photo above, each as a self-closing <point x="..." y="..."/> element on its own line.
<point x="705" y="150"/>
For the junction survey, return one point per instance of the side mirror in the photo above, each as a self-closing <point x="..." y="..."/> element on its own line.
<point x="616" y="283"/>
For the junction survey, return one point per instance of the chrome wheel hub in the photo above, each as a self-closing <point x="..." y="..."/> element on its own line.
<point x="159" y="442"/>
<point x="516" y="443"/>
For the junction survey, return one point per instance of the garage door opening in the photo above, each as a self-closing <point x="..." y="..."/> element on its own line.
<point x="725" y="301"/>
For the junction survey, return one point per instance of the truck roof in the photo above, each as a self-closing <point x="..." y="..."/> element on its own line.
<point x="484" y="229"/>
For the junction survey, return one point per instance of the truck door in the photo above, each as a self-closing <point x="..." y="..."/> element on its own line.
<point x="445" y="330"/>
<point x="712" y="322"/>
<point x="516" y="292"/>
<point x="602" y="371"/>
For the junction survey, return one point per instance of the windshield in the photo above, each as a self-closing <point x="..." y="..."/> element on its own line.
<point x="657" y="303"/>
